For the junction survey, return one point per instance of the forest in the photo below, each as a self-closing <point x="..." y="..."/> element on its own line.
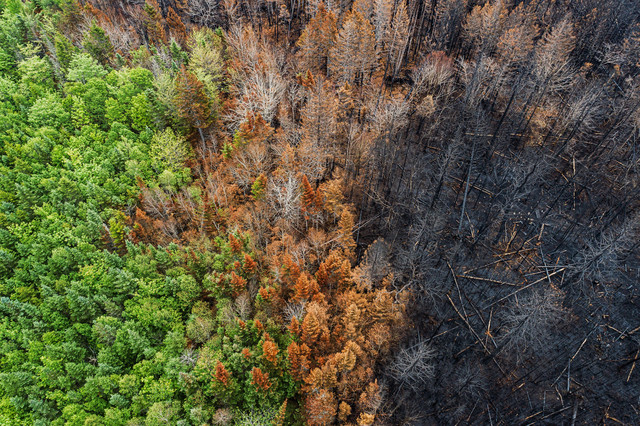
<point x="308" y="212"/>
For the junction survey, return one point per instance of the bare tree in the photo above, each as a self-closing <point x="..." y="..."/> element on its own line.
<point x="434" y="77"/>
<point x="552" y="61"/>
<point x="250" y="161"/>
<point x="602" y="253"/>
<point x="283" y="193"/>
<point x="257" y="78"/>
<point x="413" y="367"/>
<point x="206" y="12"/>
<point x="528" y="322"/>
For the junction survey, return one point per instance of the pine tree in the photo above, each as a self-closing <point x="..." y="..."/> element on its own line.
<point x="552" y="63"/>
<point x="352" y="321"/>
<point x="322" y="274"/>
<point x="259" y="379"/>
<point x="207" y="60"/>
<point x="345" y="360"/>
<point x="318" y="201"/>
<point x="310" y="329"/>
<point x="258" y="324"/>
<point x="250" y="266"/>
<point x="353" y="57"/>
<point x="516" y="43"/>
<point x="383" y="309"/>
<point x="168" y="151"/>
<point x="344" y="411"/>
<point x="117" y="232"/>
<point x="382" y="22"/>
<point x="246" y="353"/>
<point x="294" y="326"/>
<point x="308" y="197"/>
<point x="366" y="419"/>
<point x="270" y="350"/>
<point x="98" y="44"/>
<point x="305" y="287"/>
<point x="346" y="225"/>
<point x="222" y="375"/>
<point x="319" y="130"/>
<point x="258" y="187"/>
<point x="280" y="417"/>
<point x="484" y="25"/>
<point x="398" y="38"/>
<point x="320" y="408"/>
<point x="370" y="400"/>
<point x="192" y="102"/>
<point x="333" y="197"/>
<point x="79" y="116"/>
<point x="71" y="14"/>
<point x="238" y="284"/>
<point x="365" y="7"/>
<point x="153" y="22"/>
<point x="64" y="51"/>
<point x="317" y="38"/>
<point x="235" y="244"/>
<point x="298" y="360"/>
<point x="176" y="26"/>
<point x="292" y="269"/>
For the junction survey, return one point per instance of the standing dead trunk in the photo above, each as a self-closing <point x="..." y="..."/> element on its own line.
<point x="466" y="189"/>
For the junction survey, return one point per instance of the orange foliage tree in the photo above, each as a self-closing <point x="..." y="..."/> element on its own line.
<point x="222" y="375"/>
